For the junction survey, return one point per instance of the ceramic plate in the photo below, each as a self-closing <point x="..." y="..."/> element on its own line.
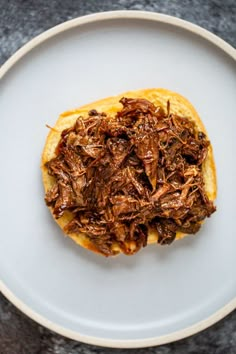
<point x="163" y="293"/>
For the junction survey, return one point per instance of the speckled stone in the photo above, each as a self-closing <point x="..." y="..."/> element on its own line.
<point x="21" y="20"/>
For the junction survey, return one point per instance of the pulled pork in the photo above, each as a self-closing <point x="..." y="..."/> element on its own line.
<point x="122" y="175"/>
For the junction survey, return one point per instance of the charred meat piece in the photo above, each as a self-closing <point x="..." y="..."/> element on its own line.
<point x="166" y="229"/>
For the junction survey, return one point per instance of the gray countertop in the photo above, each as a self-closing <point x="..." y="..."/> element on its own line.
<point x="21" y="20"/>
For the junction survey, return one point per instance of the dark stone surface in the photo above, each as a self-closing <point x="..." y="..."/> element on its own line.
<point x="21" y="20"/>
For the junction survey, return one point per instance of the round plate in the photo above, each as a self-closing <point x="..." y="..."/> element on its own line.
<point x="162" y="293"/>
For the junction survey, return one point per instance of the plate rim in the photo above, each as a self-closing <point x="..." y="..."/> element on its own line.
<point x="109" y="15"/>
<point x="77" y="22"/>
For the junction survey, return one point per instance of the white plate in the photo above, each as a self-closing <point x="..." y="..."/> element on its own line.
<point x="163" y="293"/>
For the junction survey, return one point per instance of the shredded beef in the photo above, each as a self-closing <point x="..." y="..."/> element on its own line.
<point x="123" y="175"/>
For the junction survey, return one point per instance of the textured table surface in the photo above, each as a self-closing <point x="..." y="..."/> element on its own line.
<point x="21" y="20"/>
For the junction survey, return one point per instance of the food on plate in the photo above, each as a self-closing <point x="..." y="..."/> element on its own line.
<point x="128" y="171"/>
